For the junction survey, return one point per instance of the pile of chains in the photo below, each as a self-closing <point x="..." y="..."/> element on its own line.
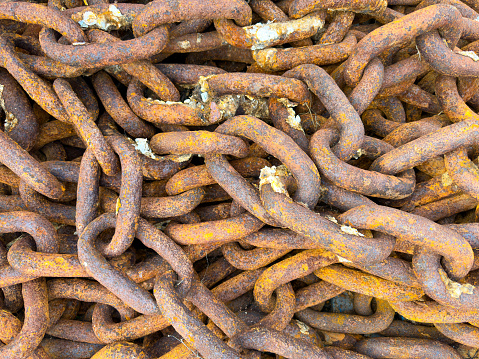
<point x="239" y="179"/>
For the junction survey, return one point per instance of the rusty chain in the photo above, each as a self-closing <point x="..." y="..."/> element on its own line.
<point x="239" y="179"/>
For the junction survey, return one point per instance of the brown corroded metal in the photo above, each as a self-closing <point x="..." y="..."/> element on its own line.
<point x="401" y="31"/>
<point x="274" y="59"/>
<point x="345" y="116"/>
<point x="252" y="37"/>
<point x="405" y="348"/>
<point x="160" y="189"/>
<point x="84" y="123"/>
<point x="372" y="184"/>
<point x="347" y="323"/>
<point x="117" y="107"/>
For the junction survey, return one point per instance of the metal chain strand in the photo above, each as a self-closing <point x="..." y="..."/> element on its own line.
<point x="239" y="179"/>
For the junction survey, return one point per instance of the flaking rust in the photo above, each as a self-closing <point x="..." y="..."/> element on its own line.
<point x="203" y="178"/>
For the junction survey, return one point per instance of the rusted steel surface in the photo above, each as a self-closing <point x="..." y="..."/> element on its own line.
<point x="239" y="179"/>
<point x="405" y="348"/>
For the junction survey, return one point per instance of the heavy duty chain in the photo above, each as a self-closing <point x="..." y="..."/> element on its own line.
<point x="239" y="179"/>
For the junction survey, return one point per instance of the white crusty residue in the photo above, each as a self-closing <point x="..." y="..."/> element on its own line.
<point x="203" y="83"/>
<point x="142" y="145"/>
<point x="350" y="230"/>
<point x="180" y="158"/>
<point x="470" y="54"/>
<point x="107" y="20"/>
<point x="331" y="218"/>
<point x="227" y="105"/>
<point x="287" y="102"/>
<point x="159" y="102"/>
<point x="89" y="19"/>
<point x="185" y="44"/>
<point x="455" y="289"/>
<point x="10" y="120"/>
<point x="2" y="100"/>
<point x="294" y="121"/>
<point x="346" y="229"/>
<point x="303" y="328"/>
<point x="263" y="35"/>
<point x="78" y="43"/>
<point x="272" y="175"/>
<point x="188" y="102"/>
<point x="360" y="152"/>
<point x="204" y="87"/>
<point x="268" y="34"/>
<point x="343" y="260"/>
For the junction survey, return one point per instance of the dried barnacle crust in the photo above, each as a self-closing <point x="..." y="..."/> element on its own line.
<point x="282" y="171"/>
<point x="10" y="120"/>
<point x="303" y="328"/>
<point x="343" y="260"/>
<point x="188" y="102"/>
<point x="227" y="105"/>
<point x="185" y="44"/>
<point x="293" y="120"/>
<point x="351" y="230"/>
<point x="345" y="229"/>
<point x="203" y="84"/>
<point x="268" y="34"/>
<point x="331" y="218"/>
<point x="180" y="158"/>
<point x="453" y="288"/>
<point x="287" y="102"/>
<point x="207" y="111"/>
<point x="211" y="109"/>
<point x="360" y="152"/>
<point x="110" y="19"/>
<point x="255" y="106"/>
<point x="142" y="146"/>
<point x="272" y="175"/>
<point x="470" y="54"/>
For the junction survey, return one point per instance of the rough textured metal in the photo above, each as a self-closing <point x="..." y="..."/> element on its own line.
<point x="239" y="179"/>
